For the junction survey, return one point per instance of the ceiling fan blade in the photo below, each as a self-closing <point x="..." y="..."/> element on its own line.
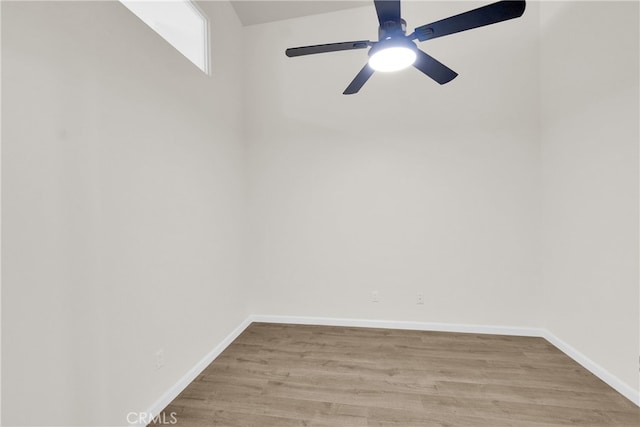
<point x="486" y="15"/>
<point x="330" y="47"/>
<point x="387" y="10"/>
<point x="359" y="80"/>
<point x="433" y="68"/>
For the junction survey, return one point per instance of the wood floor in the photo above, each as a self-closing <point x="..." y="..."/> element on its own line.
<point x="292" y="375"/>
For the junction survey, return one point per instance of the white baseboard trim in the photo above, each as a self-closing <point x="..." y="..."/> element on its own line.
<point x="394" y="324"/>
<point x="613" y="381"/>
<point x="178" y="387"/>
<point x="597" y="370"/>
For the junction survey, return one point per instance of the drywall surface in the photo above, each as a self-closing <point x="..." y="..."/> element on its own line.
<point x="407" y="187"/>
<point x="122" y="195"/>
<point x="589" y="142"/>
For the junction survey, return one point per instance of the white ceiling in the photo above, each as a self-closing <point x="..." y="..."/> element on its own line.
<point x="260" y="11"/>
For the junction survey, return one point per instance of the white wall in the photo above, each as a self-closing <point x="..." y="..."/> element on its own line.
<point x="508" y="197"/>
<point x="589" y="104"/>
<point x="123" y="201"/>
<point x="405" y="187"/>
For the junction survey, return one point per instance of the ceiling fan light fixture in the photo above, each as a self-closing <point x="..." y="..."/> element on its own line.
<point x="396" y="50"/>
<point x="392" y="58"/>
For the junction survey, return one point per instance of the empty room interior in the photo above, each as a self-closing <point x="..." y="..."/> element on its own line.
<point x="241" y="228"/>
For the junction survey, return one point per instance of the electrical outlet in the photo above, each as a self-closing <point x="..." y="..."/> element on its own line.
<point x="375" y="296"/>
<point x="420" y="299"/>
<point x="160" y="358"/>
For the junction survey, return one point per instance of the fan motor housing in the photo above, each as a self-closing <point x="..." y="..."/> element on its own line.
<point x="391" y="29"/>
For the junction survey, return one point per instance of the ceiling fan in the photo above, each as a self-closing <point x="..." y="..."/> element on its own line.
<point x="395" y="50"/>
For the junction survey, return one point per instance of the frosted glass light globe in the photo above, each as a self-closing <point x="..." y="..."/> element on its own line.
<point x="392" y="59"/>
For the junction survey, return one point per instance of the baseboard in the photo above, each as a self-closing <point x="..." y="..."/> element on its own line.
<point x="178" y="387"/>
<point x="394" y="324"/>
<point x="597" y="370"/>
<point x="590" y="365"/>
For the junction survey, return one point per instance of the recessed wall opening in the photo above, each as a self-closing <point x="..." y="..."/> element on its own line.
<point x="180" y="23"/>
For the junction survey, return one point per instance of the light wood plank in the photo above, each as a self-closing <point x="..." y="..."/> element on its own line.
<point x="297" y="375"/>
